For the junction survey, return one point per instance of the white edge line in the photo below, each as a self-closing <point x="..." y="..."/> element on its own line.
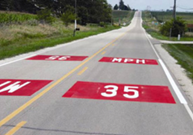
<point x="189" y="111"/>
<point x="172" y="82"/>
<point x="170" y="78"/>
<point x="40" y="52"/>
<point x="17" y="60"/>
<point x="44" y="50"/>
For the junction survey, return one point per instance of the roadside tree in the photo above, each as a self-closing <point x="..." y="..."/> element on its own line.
<point x="176" y="27"/>
<point x="116" y="7"/>
<point x="67" y="17"/>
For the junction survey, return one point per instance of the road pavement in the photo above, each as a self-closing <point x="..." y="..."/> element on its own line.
<point x="120" y="87"/>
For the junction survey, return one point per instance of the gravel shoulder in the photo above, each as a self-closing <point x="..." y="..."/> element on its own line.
<point x="177" y="71"/>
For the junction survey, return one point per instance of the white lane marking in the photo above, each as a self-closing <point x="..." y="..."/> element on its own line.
<point x="17" y="60"/>
<point x="170" y="78"/>
<point x="172" y="82"/>
<point x="175" y="87"/>
<point x="189" y="111"/>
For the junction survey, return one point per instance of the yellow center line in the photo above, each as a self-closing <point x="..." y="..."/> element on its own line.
<point x="16" y="128"/>
<point x="82" y="71"/>
<point x="103" y="52"/>
<point x="28" y="103"/>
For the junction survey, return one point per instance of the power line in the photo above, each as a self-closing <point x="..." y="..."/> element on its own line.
<point x="185" y="8"/>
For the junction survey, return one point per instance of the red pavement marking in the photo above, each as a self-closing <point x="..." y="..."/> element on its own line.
<point x="58" y="58"/>
<point x="120" y="92"/>
<point x="129" y="60"/>
<point x="10" y="87"/>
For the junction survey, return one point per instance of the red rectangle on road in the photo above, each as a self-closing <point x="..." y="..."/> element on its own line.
<point x="10" y="87"/>
<point x="121" y="92"/>
<point x="58" y="58"/>
<point x="129" y="60"/>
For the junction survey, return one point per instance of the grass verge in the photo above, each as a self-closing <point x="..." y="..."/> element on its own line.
<point x="184" y="55"/>
<point x="159" y="36"/>
<point x="27" y="43"/>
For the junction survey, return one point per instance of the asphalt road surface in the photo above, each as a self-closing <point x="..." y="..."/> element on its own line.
<point x="110" y="84"/>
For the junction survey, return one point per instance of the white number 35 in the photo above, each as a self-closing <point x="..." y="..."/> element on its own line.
<point x="111" y="91"/>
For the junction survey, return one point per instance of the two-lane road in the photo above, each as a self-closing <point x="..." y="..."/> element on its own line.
<point x="110" y="84"/>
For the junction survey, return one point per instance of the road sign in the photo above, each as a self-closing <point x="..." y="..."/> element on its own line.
<point x="120" y="92"/>
<point x="58" y="58"/>
<point x="129" y="60"/>
<point x="10" y="87"/>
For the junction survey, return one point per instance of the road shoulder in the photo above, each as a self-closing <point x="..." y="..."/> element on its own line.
<point x="177" y="71"/>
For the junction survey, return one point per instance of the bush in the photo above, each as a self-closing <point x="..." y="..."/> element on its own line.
<point x="178" y="27"/>
<point x="45" y="16"/>
<point x="67" y="17"/>
<point x="102" y="24"/>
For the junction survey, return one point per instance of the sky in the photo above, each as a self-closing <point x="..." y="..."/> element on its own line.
<point x="182" y="5"/>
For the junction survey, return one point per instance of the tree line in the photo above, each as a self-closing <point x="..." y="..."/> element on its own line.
<point x="88" y="11"/>
<point x="121" y="6"/>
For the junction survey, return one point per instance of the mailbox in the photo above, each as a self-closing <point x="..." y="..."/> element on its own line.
<point x="77" y="29"/>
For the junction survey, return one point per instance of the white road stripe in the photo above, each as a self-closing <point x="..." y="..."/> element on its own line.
<point x="17" y="60"/>
<point x="172" y="82"/>
<point x="189" y="111"/>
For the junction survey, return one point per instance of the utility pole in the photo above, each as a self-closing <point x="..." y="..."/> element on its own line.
<point x="174" y="16"/>
<point x="174" y="10"/>
<point x="75" y="21"/>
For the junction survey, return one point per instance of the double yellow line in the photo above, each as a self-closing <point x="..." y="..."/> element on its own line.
<point x="24" y="106"/>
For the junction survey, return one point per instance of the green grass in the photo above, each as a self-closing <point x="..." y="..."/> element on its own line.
<point x="21" y="33"/>
<point x="158" y="35"/>
<point x="28" y="44"/>
<point x="184" y="55"/>
<point x="15" y="17"/>
<point x="166" y="16"/>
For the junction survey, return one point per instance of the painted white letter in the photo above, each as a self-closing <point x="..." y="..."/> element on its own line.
<point x="64" y="58"/>
<point x="138" y="61"/>
<point x="14" y="87"/>
<point x="4" y="83"/>
<point x="53" y="57"/>
<point x="128" y="60"/>
<point x="117" y="59"/>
